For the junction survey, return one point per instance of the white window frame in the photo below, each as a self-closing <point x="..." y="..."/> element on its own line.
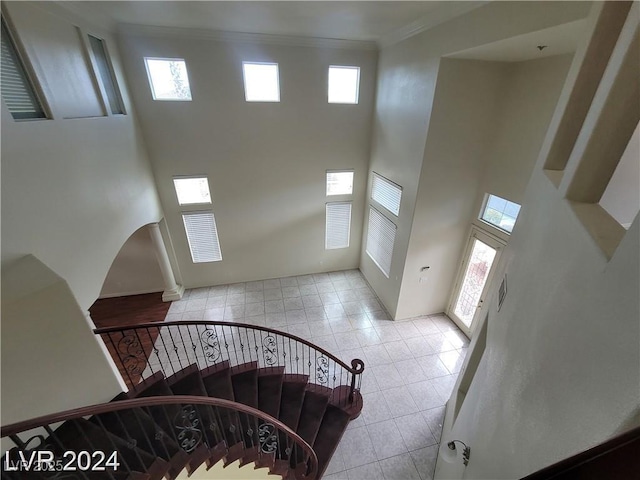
<point x="244" y="81"/>
<point x="150" y="79"/>
<point x="326" y="236"/>
<point x="386" y="183"/>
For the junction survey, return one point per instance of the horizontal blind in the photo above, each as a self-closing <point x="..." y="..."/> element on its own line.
<point x="202" y="235"/>
<point x="381" y="236"/>
<point x="106" y="75"/>
<point x="386" y="193"/>
<point x="17" y="91"/>
<point x="338" y="226"/>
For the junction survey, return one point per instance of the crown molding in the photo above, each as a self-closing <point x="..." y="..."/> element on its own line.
<point x="446" y="12"/>
<point x="129" y="29"/>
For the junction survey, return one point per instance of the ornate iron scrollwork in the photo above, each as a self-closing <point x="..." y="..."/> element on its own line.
<point x="187" y="425"/>
<point x="268" y="438"/>
<point x="131" y="354"/>
<point x="270" y="350"/>
<point x="211" y="345"/>
<point x="322" y="370"/>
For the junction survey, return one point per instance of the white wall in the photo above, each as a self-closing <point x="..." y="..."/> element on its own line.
<point x="461" y="130"/>
<point x="622" y="196"/>
<point x="51" y="361"/>
<point x="135" y="269"/>
<point x="484" y="138"/>
<point x="73" y="190"/>
<point x="560" y="372"/>
<point x="266" y="162"/>
<point x="561" y="366"/>
<point x="406" y="83"/>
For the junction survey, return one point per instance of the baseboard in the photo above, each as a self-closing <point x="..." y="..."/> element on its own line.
<point x="128" y="294"/>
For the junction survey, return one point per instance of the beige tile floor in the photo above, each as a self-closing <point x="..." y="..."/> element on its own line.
<point x="410" y="365"/>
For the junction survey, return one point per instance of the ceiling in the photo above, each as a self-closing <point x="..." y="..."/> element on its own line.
<point x="382" y="22"/>
<point x="355" y="20"/>
<point x="556" y="41"/>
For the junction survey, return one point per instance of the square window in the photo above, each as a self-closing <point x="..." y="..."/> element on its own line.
<point x="261" y="82"/>
<point x="344" y="84"/>
<point x="168" y="78"/>
<point x="339" y="183"/>
<point x="500" y="213"/>
<point x="192" y="190"/>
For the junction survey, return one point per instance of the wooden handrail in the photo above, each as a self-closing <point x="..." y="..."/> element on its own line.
<point x="357" y="365"/>
<point x="26" y="425"/>
<point x="597" y="461"/>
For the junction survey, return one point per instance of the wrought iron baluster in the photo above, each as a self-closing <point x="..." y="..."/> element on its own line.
<point x="184" y="345"/>
<point x="144" y="353"/>
<point x="215" y="426"/>
<point x="131" y="442"/>
<point x="241" y="343"/>
<point x="121" y="366"/>
<point x="188" y="424"/>
<point x="233" y="341"/>
<point x="255" y="342"/>
<point x="53" y="436"/>
<point x="155" y="350"/>
<point x="226" y="344"/>
<point x="175" y="348"/>
<point x="136" y="414"/>
<point x="193" y="345"/>
<point x="284" y="354"/>
<point x="166" y="350"/>
<point x="268" y="435"/>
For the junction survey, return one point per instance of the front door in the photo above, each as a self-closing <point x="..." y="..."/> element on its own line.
<point x="481" y="255"/>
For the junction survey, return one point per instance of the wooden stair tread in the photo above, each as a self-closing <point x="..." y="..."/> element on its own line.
<point x="270" y="390"/>
<point x="333" y="425"/>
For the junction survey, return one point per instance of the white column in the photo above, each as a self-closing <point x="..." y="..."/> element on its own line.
<point x="172" y="291"/>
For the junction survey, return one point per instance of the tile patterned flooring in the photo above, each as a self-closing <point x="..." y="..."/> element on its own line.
<point x="410" y="365"/>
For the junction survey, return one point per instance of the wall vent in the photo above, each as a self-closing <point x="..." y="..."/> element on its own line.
<point x="502" y="291"/>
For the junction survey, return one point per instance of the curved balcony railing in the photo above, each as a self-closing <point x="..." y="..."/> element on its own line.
<point x="153" y="437"/>
<point x="144" y="349"/>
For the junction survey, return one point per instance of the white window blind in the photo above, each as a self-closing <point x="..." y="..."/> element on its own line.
<point x="338" y="226"/>
<point x="381" y="236"/>
<point x="386" y="193"/>
<point x="202" y="235"/>
<point x="17" y="91"/>
<point x="106" y="75"/>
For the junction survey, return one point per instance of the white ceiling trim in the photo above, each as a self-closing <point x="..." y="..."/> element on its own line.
<point x="438" y="16"/>
<point x="240" y="37"/>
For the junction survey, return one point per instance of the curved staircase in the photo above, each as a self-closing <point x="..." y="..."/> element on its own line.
<point x="200" y="393"/>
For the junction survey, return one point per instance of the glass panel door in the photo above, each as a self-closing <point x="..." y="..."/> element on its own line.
<point x="481" y="255"/>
